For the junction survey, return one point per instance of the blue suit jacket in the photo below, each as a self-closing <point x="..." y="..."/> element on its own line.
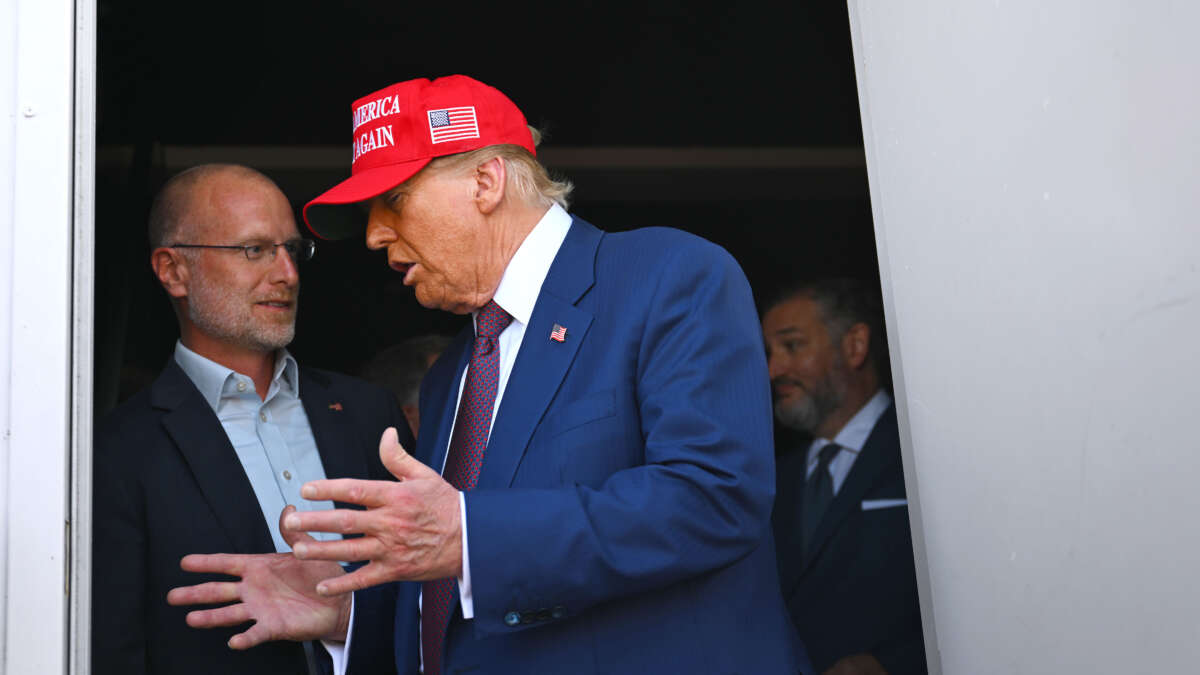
<point x="855" y="591"/>
<point x="621" y="519"/>
<point x="168" y="483"/>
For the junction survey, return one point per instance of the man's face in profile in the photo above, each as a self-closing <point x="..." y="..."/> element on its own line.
<point x="246" y="303"/>
<point x="804" y="364"/>
<point x="436" y="237"/>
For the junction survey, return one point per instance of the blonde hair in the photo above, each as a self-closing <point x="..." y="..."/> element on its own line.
<point x="527" y="178"/>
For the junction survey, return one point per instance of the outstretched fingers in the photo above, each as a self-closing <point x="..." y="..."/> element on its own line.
<point x="251" y="637"/>
<point x="371" y="574"/>
<point x="233" y="564"/>
<point x="397" y="460"/>
<point x="340" y="521"/>
<point x="230" y="615"/>
<point x="368" y="493"/>
<point x="343" y="550"/>
<point x="211" y="593"/>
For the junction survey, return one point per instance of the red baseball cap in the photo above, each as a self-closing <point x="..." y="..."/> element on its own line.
<point x="400" y="129"/>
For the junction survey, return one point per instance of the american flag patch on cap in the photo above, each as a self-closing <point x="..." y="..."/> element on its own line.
<point x="453" y="124"/>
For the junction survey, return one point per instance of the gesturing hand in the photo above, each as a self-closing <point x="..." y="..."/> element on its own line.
<point x="277" y="591"/>
<point x="411" y="529"/>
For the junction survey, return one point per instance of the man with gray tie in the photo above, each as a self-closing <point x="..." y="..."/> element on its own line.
<point x="210" y="454"/>
<point x="841" y="518"/>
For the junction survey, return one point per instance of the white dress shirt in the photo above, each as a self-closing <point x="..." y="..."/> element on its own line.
<point x="517" y="294"/>
<point x="852" y="438"/>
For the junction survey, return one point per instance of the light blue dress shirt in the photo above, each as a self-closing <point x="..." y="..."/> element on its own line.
<point x="272" y="437"/>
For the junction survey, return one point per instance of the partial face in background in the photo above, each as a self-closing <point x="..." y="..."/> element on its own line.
<point x="437" y="238"/>
<point x="250" y="304"/>
<point x="808" y="374"/>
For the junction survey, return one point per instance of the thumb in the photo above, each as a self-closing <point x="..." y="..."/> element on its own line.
<point x="396" y="460"/>
<point x="292" y="537"/>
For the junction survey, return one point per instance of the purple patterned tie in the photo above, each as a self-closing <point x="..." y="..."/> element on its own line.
<point x="471" y="428"/>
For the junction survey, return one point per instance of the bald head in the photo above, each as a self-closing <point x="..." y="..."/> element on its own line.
<point x="189" y="196"/>
<point x="232" y="308"/>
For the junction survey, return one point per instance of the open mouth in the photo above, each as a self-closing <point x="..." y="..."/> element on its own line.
<point x="401" y="267"/>
<point x="277" y="304"/>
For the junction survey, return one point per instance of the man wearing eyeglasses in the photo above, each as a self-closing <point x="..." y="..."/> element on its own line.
<point x="208" y="456"/>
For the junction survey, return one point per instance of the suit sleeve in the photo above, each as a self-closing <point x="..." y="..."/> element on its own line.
<point x="118" y="570"/>
<point x="702" y="498"/>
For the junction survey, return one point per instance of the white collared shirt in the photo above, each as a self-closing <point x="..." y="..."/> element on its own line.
<point x="517" y="294"/>
<point x="852" y="438"/>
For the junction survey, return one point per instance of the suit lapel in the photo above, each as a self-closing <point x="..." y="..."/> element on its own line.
<point x="441" y="400"/>
<point x="542" y="363"/>
<point x="334" y="432"/>
<point x="870" y="464"/>
<point x="202" y="441"/>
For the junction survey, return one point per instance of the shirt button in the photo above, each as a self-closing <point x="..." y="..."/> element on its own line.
<point x="262" y="416"/>
<point x="287" y="475"/>
<point x="512" y="619"/>
<point x="241" y="386"/>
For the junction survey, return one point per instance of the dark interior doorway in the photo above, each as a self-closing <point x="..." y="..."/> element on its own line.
<point x="739" y="124"/>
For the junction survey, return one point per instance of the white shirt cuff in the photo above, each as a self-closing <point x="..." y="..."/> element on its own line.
<point x="464" y="582"/>
<point x="339" y="652"/>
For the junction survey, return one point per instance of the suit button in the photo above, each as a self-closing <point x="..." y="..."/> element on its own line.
<point x="558" y="612"/>
<point x="512" y="618"/>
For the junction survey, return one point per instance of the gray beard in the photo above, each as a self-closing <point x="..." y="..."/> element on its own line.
<point x="219" y="313"/>
<point x="809" y="413"/>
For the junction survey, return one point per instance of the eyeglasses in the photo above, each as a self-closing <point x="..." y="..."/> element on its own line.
<point x="300" y="250"/>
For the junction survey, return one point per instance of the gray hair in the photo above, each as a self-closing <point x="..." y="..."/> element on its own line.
<point x="527" y="178"/>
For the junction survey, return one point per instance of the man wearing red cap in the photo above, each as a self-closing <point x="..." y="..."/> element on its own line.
<point x="600" y="438"/>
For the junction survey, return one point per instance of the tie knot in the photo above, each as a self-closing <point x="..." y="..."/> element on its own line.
<point x="491" y="320"/>
<point x="827" y="454"/>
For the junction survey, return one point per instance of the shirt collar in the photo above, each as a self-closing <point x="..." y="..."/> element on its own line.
<point x="856" y="432"/>
<point x="522" y="281"/>
<point x="854" y="435"/>
<point x="216" y="381"/>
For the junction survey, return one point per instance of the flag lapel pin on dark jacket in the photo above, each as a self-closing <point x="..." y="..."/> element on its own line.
<point x="559" y="334"/>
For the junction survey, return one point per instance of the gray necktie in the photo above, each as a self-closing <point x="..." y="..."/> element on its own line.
<point x="818" y="493"/>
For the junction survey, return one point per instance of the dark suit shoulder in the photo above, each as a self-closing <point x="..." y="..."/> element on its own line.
<point x="126" y="430"/>
<point x="373" y="406"/>
<point x="349" y="384"/>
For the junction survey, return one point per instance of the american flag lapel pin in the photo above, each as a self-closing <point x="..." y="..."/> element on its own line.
<point x="336" y="406"/>
<point x="559" y="334"/>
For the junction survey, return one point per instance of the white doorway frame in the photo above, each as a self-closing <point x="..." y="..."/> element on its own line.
<point x="47" y="159"/>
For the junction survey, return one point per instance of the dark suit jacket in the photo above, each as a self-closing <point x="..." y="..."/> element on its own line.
<point x="856" y="591"/>
<point x="621" y="519"/>
<point x="168" y="483"/>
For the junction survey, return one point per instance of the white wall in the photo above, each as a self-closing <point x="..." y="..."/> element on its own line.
<point x="1035" y="179"/>
<point x="36" y="253"/>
